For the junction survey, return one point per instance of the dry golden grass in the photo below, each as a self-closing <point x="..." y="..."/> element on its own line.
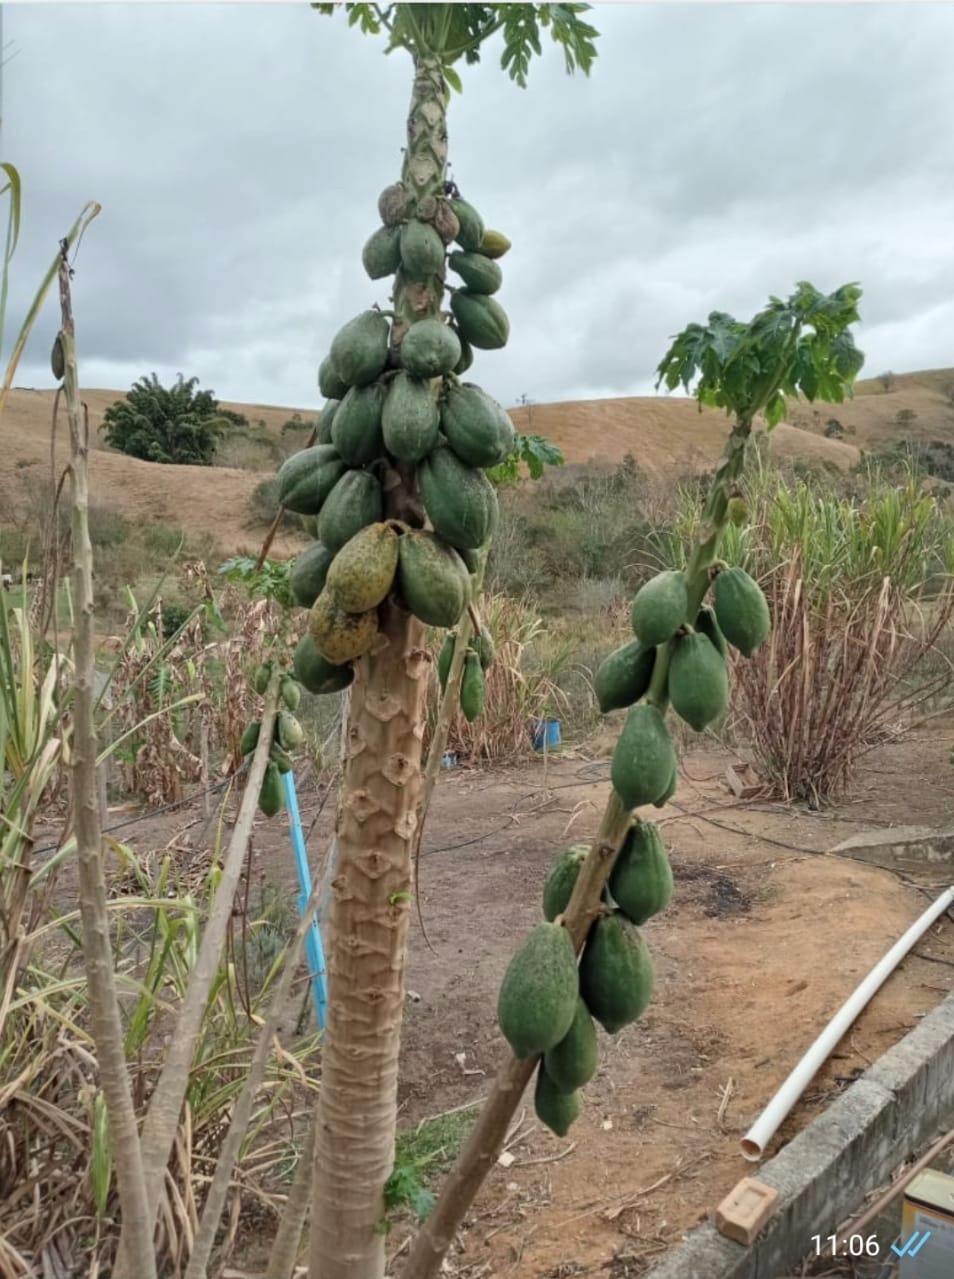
<point x="665" y="435"/>
<point x="199" y="499"/>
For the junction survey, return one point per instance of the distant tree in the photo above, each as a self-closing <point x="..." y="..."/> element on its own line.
<point x="166" y="424"/>
<point x="525" y="402"/>
<point x="834" y="429"/>
<point x="905" y="417"/>
<point x="887" y="379"/>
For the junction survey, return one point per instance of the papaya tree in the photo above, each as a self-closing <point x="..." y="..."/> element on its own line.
<point x="402" y="513"/>
<point x="587" y="961"/>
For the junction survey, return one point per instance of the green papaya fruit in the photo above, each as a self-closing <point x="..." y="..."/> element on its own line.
<point x="616" y="972"/>
<point x="660" y="607"/>
<point x="281" y="759"/>
<point x="291" y="693"/>
<point x="250" y="738"/>
<point x="325" y="421"/>
<point x="670" y="790"/>
<point x="483" y="645"/>
<point x="307" y="478"/>
<point x="308" y="574"/>
<point x="641" y="879"/>
<point x="707" y="625"/>
<point x="473" y="689"/>
<point x="381" y="255"/>
<point x="480" y="273"/>
<point x="698" y="681"/>
<point x="444" y="659"/>
<point x="429" y="348"/>
<point x="466" y="355"/>
<point x="422" y="250"/>
<point x="410" y="420"/>
<point x="315" y="673"/>
<point x="624" y="676"/>
<point x="261" y="677"/>
<point x="555" y="1109"/>
<point x="288" y="731"/>
<point x="482" y="321"/>
<point x="330" y="383"/>
<point x="470" y="225"/>
<point x="571" y="1063"/>
<point x="644" y="758"/>
<point x="537" y="1000"/>
<point x="356" y="428"/>
<point x="561" y="880"/>
<point x="359" y="350"/>
<point x="476" y="427"/>
<point x="460" y="501"/>
<point x="741" y="610"/>
<point x="355" y="502"/>
<point x="270" y="798"/>
<point x="432" y="578"/>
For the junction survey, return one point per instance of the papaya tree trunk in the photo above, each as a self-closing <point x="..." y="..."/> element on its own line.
<point x="368" y="917"/>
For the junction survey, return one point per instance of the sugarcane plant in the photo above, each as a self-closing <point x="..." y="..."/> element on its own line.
<point x="395" y="495"/>
<point x="587" y="962"/>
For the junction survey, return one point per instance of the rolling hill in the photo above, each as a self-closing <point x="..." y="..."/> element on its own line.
<point x="666" y="436"/>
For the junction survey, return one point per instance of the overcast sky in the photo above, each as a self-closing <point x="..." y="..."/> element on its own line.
<point x="716" y="154"/>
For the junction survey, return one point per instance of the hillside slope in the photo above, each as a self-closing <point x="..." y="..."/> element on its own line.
<point x="666" y="436"/>
<point x="924" y="400"/>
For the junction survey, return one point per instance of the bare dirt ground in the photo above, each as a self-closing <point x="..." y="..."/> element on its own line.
<point x="766" y="937"/>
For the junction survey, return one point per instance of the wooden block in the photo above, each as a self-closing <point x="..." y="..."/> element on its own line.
<point x="742" y="781"/>
<point x="745" y="1210"/>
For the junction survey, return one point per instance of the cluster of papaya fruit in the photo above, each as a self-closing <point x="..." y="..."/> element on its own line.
<point x="549" y="1001"/>
<point x="395" y="402"/>
<point x="286" y="735"/>
<point x="697" y="682"/>
<point x="480" y="656"/>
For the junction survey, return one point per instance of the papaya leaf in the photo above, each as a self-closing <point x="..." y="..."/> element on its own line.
<point x="271" y="581"/>
<point x="801" y="346"/>
<point x="452" y="31"/>
<point x="533" y="450"/>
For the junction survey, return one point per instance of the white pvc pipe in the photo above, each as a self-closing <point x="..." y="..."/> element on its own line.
<point x="765" y="1127"/>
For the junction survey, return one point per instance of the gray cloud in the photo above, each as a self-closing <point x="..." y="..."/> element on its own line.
<point x="717" y="154"/>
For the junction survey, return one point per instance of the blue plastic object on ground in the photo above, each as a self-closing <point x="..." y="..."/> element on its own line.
<point x="314" y="951"/>
<point x="545" y="733"/>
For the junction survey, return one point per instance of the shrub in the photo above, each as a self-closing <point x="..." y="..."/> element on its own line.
<point x="230" y="415"/>
<point x="263" y="505"/>
<point x="296" y="423"/>
<point x="860" y="591"/>
<point x="107" y="527"/>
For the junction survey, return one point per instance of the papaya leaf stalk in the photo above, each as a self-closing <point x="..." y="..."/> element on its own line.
<point x="747" y="369"/>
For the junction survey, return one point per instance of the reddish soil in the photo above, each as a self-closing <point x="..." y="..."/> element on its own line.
<point x="764" y="940"/>
<point x="766" y="937"/>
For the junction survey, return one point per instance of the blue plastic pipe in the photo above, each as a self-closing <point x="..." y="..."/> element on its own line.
<point x="314" y="951"/>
